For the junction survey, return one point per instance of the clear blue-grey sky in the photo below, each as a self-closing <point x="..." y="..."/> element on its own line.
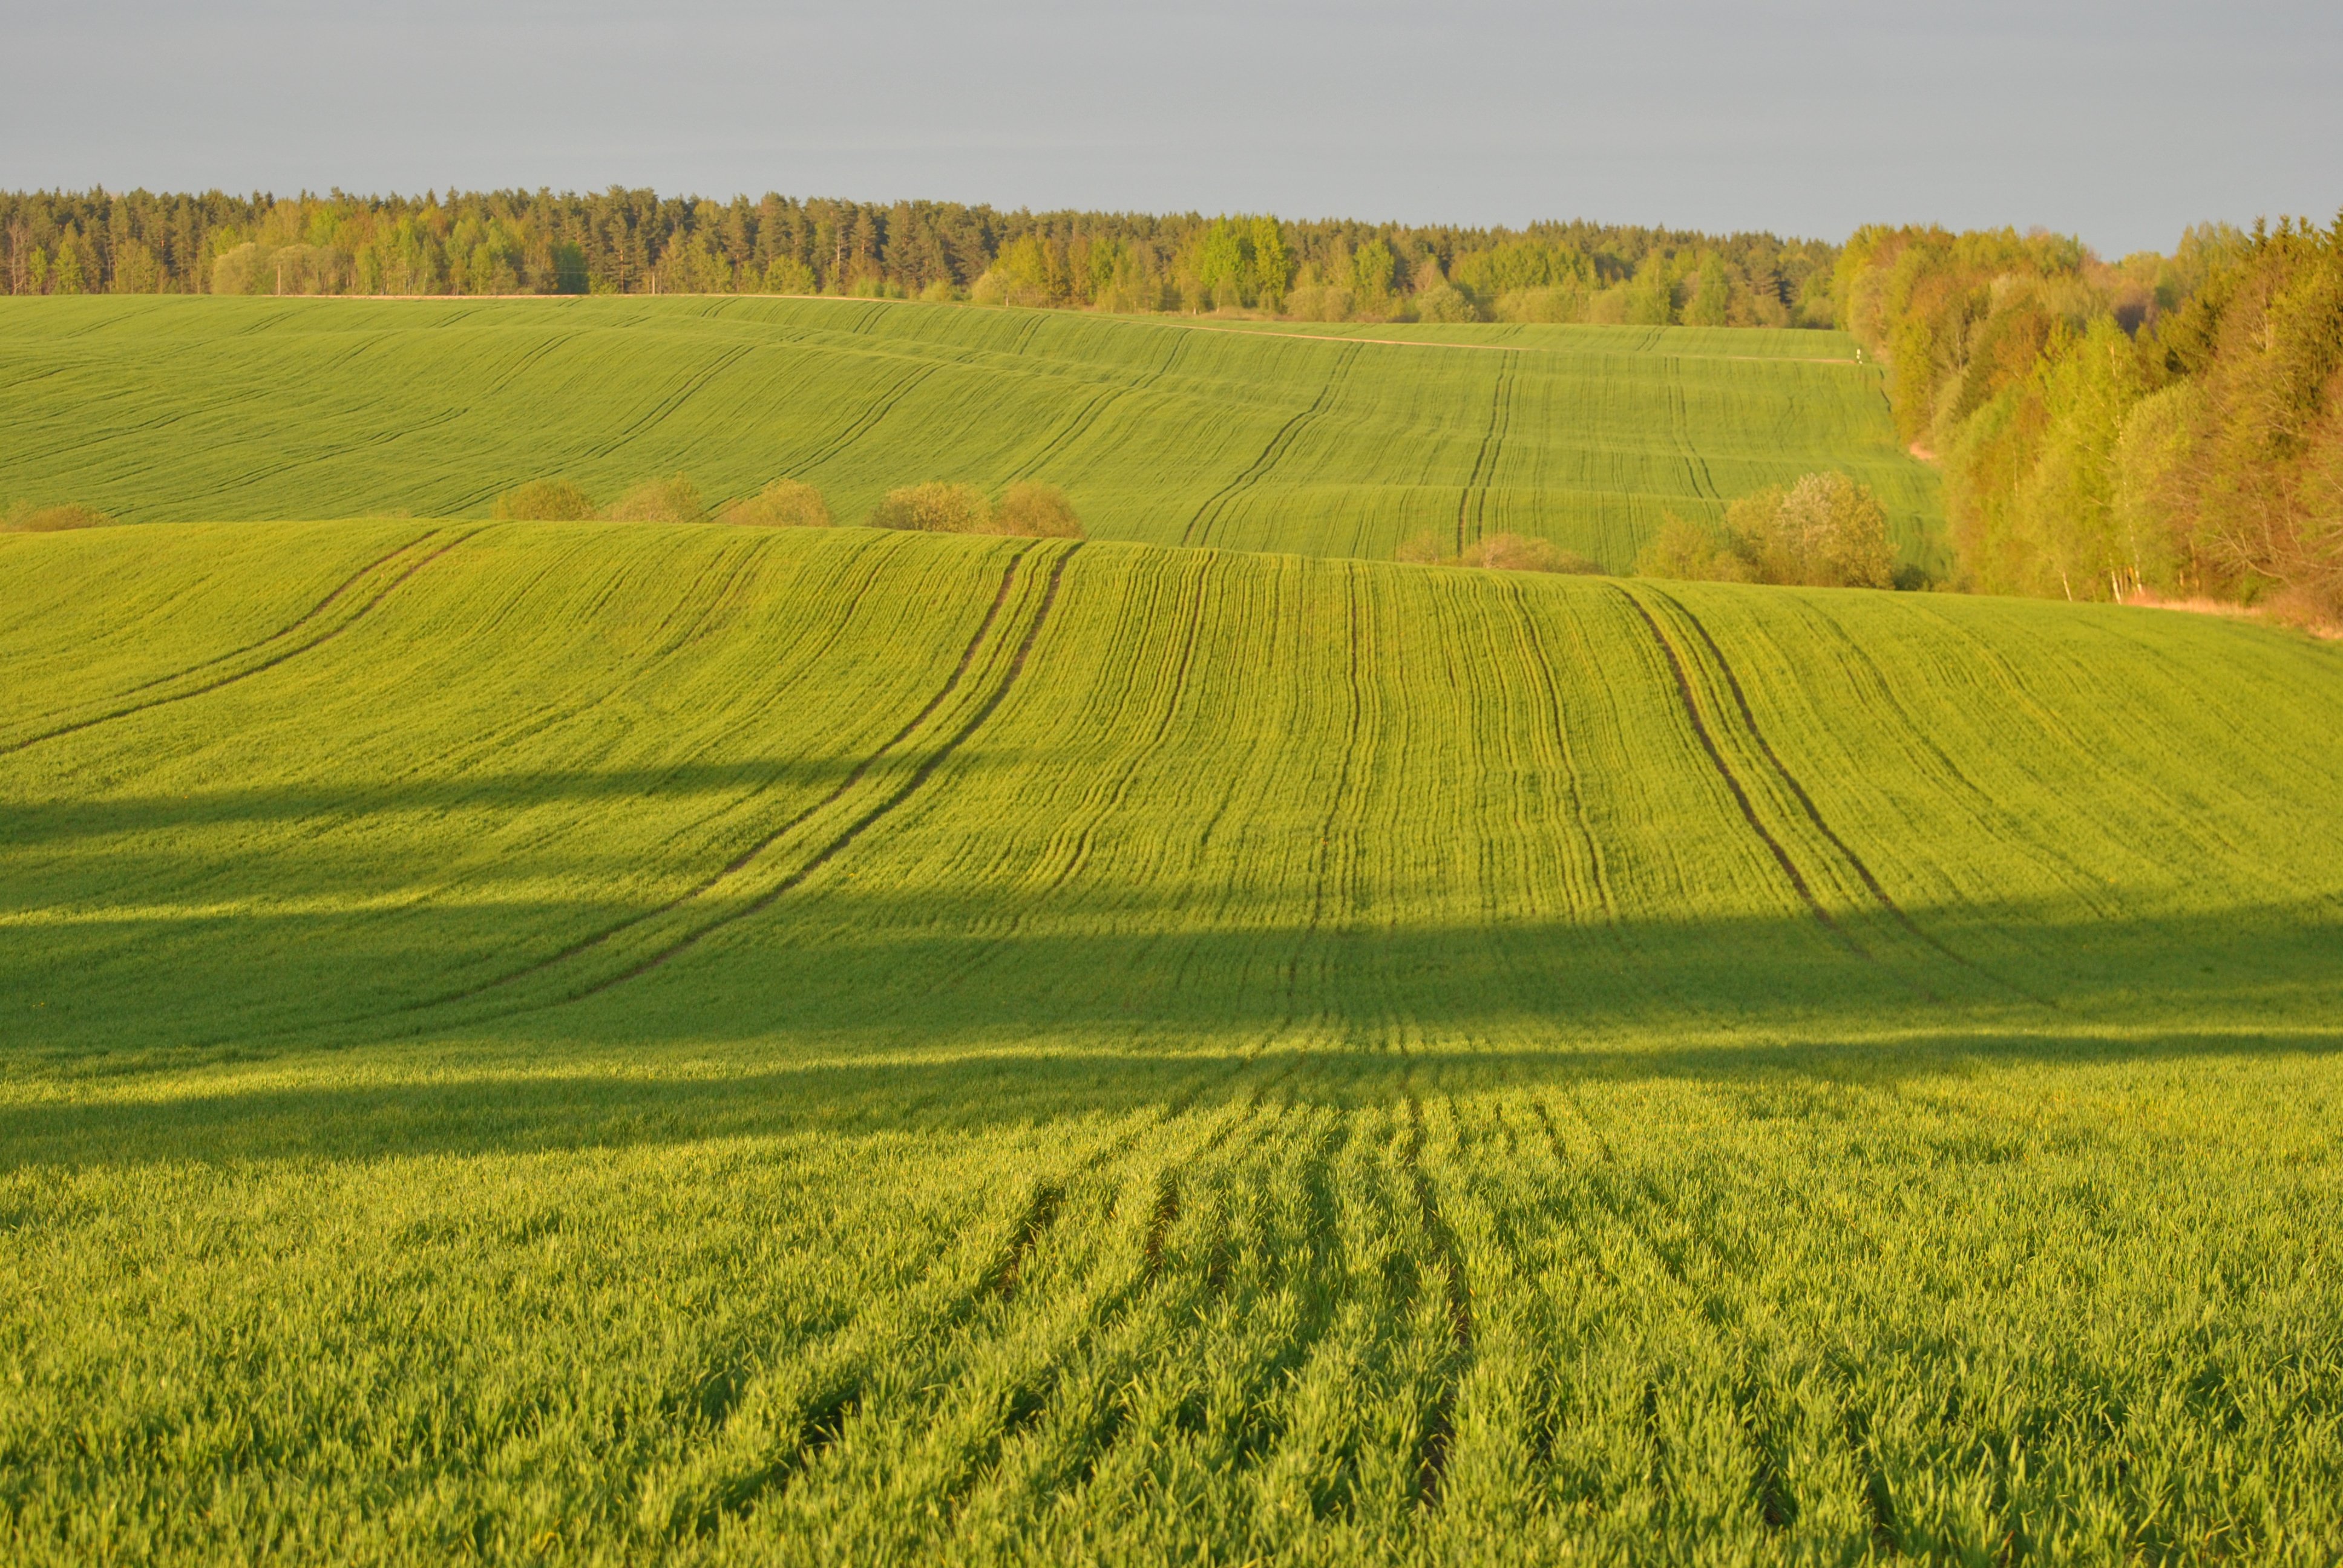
<point x="2119" y="120"/>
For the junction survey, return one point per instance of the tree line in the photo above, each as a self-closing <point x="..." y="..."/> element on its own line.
<point x="2164" y="426"/>
<point x="624" y="241"/>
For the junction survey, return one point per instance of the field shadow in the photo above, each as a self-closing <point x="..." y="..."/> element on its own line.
<point x="67" y="819"/>
<point x="436" y="1106"/>
<point x="861" y="1009"/>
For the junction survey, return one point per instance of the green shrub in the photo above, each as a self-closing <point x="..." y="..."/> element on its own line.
<point x="544" y="501"/>
<point x="1515" y="553"/>
<point x="669" y="500"/>
<point x="1038" y="510"/>
<point x="1687" y="551"/>
<point x="237" y="271"/>
<point x="1444" y="303"/>
<point x="1824" y="531"/>
<point x="1498" y="553"/>
<point x="1559" y="303"/>
<point x="934" y="508"/>
<point x="1605" y="306"/>
<point x="783" y="504"/>
<point x="1319" y="302"/>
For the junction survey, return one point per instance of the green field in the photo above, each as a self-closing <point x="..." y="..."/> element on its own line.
<point x="544" y="1042"/>
<point x="1227" y="434"/>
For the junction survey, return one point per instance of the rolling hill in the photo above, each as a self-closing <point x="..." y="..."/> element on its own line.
<point x="707" y="1045"/>
<point x="1324" y="441"/>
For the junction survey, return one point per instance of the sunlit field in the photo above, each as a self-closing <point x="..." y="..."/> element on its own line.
<point x="1199" y="433"/>
<point x="544" y="1042"/>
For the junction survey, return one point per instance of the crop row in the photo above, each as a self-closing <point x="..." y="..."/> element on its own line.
<point x="1252" y="787"/>
<point x="1160" y="432"/>
<point x="706" y="1044"/>
<point x="1306" y="1305"/>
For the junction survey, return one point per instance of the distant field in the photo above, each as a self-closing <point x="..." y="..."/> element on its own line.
<point x="548" y="1042"/>
<point x="1256" y="437"/>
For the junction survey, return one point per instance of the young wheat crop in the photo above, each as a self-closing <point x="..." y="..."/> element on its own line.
<point x="683" y="1043"/>
<point x="1159" y="431"/>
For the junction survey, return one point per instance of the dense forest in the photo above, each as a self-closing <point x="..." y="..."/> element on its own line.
<point x="635" y="241"/>
<point x="2164" y="425"/>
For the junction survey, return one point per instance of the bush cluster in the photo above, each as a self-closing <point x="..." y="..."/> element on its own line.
<point x="1824" y="531"/>
<point x="545" y="501"/>
<point x="1034" y="510"/>
<point x="783" y="504"/>
<point x="1498" y="552"/>
<point x="669" y="500"/>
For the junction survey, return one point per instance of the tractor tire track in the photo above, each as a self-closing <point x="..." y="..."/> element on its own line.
<point x="1043" y="1386"/>
<point x="669" y="405"/>
<point x="740" y="861"/>
<point x="529" y="361"/>
<point x="1210" y="513"/>
<point x="1789" y="780"/>
<point x="1813" y="813"/>
<point x="1357" y="715"/>
<point x="2184" y="816"/>
<point x="84" y="440"/>
<point x="1000" y="1285"/>
<point x="1198" y="601"/>
<point x="266" y="664"/>
<point x="1532" y="641"/>
<point x="1704" y="484"/>
<point x="846" y="838"/>
<point x="1439" y="1435"/>
<point x="864" y="422"/>
<point x="1989" y="814"/>
<point x="459" y="789"/>
<point x="1074" y="429"/>
<point x="1087" y="416"/>
<point x="1040" y="1213"/>
<point x="1530" y="647"/>
<point x="1771" y="1494"/>
<point x="1485" y="462"/>
<point x="288" y="629"/>
<point x="855" y="1348"/>
<point x="252" y="476"/>
<point x="1162" y="1216"/>
<point x="1314" y="1256"/>
<point x="1097" y="807"/>
<point x="1732" y="781"/>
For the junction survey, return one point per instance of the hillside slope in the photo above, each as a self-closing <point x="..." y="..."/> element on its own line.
<point x="854" y="1044"/>
<point x="1163" y="432"/>
<point x="1598" y="798"/>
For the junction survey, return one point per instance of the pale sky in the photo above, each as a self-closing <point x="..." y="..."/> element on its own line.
<point x="2119" y="122"/>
